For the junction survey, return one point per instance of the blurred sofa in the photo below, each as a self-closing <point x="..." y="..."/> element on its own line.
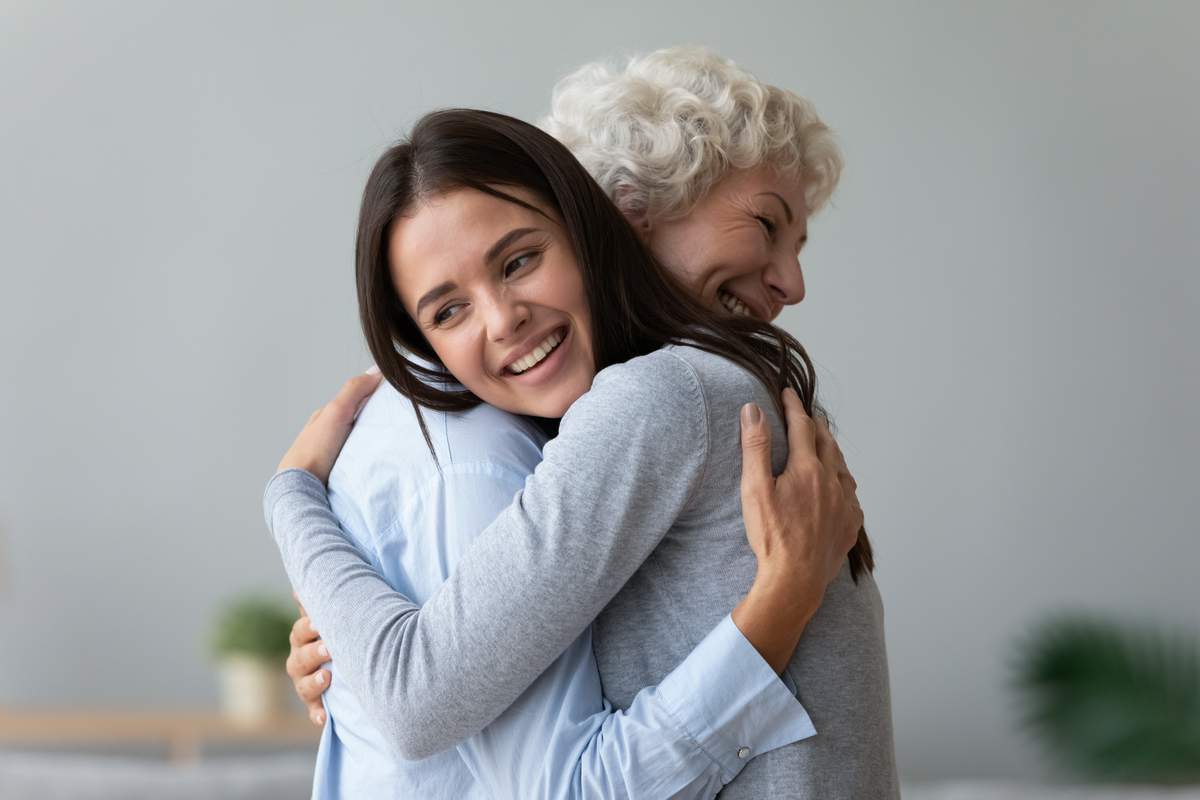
<point x="289" y="777"/>
<point x="79" y="777"/>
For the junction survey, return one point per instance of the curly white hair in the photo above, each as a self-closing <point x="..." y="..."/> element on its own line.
<point x="659" y="133"/>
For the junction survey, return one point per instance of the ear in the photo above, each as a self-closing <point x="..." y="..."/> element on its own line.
<point x="633" y="211"/>
<point x="641" y="223"/>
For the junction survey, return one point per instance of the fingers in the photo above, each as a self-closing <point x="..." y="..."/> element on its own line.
<point x="350" y="399"/>
<point x="304" y="660"/>
<point x="304" y="668"/>
<point x="302" y="632"/>
<point x="833" y="460"/>
<point x="311" y="687"/>
<point x="317" y="446"/>
<point x="802" y="444"/>
<point x="828" y="452"/>
<point x="831" y="454"/>
<point x="310" y="690"/>
<point x="354" y="393"/>
<point x="756" y="453"/>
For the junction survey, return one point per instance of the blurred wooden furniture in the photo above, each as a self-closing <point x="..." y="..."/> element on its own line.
<point x="183" y="734"/>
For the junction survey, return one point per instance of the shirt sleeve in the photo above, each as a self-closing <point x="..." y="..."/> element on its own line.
<point x="627" y="459"/>
<point x="685" y="738"/>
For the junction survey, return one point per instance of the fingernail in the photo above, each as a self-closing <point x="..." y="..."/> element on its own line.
<point x="319" y="679"/>
<point x="373" y="369"/>
<point x="320" y="717"/>
<point x="751" y="414"/>
<point x="324" y="651"/>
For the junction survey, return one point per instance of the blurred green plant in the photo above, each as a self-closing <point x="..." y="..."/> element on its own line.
<point x="1112" y="703"/>
<point x="253" y="626"/>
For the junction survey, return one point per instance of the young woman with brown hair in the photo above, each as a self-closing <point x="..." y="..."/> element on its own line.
<point x="638" y="495"/>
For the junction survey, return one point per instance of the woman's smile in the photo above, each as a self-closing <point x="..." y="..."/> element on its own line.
<point x="738" y="249"/>
<point x="501" y="297"/>
<point x="536" y="364"/>
<point x="734" y="305"/>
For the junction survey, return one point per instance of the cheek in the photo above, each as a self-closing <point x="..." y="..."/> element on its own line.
<point x="461" y="357"/>
<point x="710" y="256"/>
<point x="581" y="311"/>
<point x="681" y="249"/>
<point x="563" y="290"/>
<point x="692" y="271"/>
<point x="744" y="252"/>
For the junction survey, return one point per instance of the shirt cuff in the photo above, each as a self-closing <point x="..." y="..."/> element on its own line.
<point x="731" y="702"/>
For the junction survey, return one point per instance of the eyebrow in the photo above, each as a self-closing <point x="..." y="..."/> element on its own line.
<point x="504" y="241"/>
<point x="442" y="289"/>
<point x="435" y="293"/>
<point x="786" y="208"/>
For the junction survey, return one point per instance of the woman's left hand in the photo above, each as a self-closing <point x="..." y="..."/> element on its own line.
<point x="318" y="445"/>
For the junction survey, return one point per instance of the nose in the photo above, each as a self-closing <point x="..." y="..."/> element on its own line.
<point x="505" y="317"/>
<point x="785" y="281"/>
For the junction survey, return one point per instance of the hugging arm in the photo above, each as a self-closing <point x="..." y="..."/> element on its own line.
<point x="610" y="486"/>
<point x="686" y="737"/>
<point x="624" y="465"/>
<point x="560" y="739"/>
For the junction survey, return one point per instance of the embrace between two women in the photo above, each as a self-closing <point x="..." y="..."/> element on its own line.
<point x="592" y="537"/>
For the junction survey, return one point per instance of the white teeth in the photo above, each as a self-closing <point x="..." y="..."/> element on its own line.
<point x="734" y="305"/>
<point x="535" y="357"/>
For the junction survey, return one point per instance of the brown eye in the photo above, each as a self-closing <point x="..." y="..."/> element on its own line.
<point x="768" y="226"/>
<point x="519" y="262"/>
<point x="447" y="313"/>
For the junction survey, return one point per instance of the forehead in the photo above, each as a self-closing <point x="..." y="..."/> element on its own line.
<point x="445" y="237"/>
<point x="750" y="183"/>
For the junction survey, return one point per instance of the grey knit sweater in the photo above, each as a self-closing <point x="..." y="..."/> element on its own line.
<point x="632" y="519"/>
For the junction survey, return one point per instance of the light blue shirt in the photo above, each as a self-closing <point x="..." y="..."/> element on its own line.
<point x="686" y="737"/>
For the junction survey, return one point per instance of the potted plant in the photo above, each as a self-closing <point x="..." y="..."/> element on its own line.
<point x="250" y="642"/>
<point x="1114" y="703"/>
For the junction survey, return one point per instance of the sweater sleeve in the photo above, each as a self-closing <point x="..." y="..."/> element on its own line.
<point x="629" y="455"/>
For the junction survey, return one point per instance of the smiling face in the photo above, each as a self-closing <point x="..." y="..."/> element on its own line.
<point x="739" y="247"/>
<point x="496" y="290"/>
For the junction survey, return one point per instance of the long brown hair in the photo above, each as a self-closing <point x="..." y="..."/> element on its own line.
<point x="644" y="308"/>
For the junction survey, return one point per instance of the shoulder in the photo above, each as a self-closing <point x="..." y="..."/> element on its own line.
<point x="655" y="401"/>
<point x="640" y="434"/>
<point x="679" y="378"/>
<point x="660" y="379"/>
<point x="387" y="447"/>
<point x="715" y="373"/>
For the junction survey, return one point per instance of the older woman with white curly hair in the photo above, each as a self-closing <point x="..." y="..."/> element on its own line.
<point x="719" y="173"/>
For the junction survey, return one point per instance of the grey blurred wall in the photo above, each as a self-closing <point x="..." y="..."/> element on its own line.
<point x="1002" y="303"/>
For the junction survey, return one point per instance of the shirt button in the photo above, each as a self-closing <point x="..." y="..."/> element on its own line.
<point x="743" y="752"/>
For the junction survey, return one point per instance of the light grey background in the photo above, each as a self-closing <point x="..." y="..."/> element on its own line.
<point x="1002" y="302"/>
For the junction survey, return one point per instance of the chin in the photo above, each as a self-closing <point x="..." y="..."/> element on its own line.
<point x="555" y="404"/>
<point x="551" y="402"/>
<point x="550" y="410"/>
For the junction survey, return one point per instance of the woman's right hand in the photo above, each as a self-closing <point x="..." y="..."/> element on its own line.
<point x="304" y="662"/>
<point x="320" y="441"/>
<point x="800" y="525"/>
